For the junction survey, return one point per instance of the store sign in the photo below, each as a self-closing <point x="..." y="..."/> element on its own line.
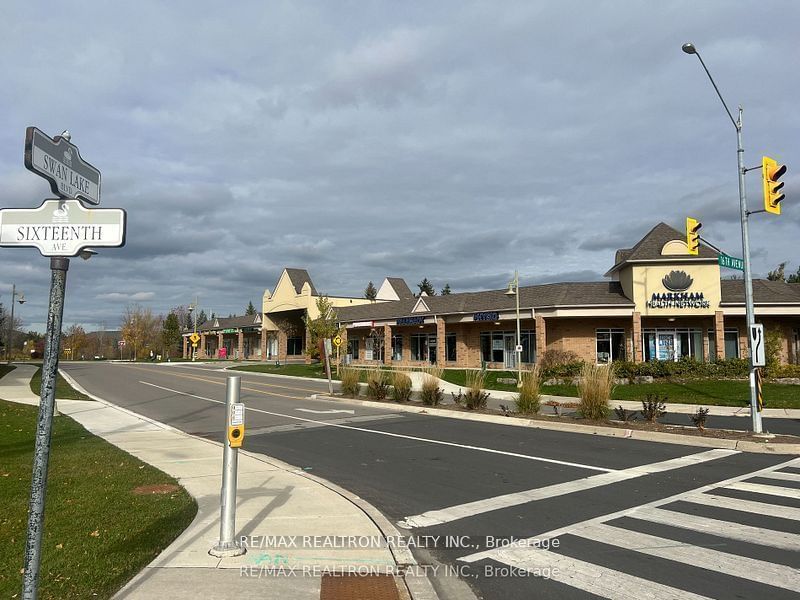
<point x="486" y="316"/>
<point x="228" y="331"/>
<point x="678" y="300"/>
<point x="411" y="321"/>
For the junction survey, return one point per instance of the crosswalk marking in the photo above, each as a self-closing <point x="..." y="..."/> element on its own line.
<point x="750" y="506"/>
<point x="598" y="580"/>
<point x="760" y="488"/>
<point x="782" y="476"/>
<point x="727" y="529"/>
<point x="469" y="509"/>
<point x="705" y="558"/>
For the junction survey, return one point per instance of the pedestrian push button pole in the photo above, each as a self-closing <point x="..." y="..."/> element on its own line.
<point x="234" y="427"/>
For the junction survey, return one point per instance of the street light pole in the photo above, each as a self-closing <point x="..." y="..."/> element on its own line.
<point x="11" y="323"/>
<point x="689" y="48"/>
<point x="514" y="284"/>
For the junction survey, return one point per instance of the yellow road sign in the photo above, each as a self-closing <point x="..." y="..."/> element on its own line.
<point x="337" y="341"/>
<point x="195" y="338"/>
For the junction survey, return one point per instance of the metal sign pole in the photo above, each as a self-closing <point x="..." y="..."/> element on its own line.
<point x="227" y="545"/>
<point x="327" y="348"/>
<point x="41" y="453"/>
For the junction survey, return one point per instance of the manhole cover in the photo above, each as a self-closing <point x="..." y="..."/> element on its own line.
<point x="358" y="587"/>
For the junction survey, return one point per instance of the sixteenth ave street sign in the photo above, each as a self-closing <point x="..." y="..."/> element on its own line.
<point x="60" y="162"/>
<point x="62" y="227"/>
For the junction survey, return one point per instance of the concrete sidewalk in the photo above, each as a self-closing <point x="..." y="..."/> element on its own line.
<point x="277" y="506"/>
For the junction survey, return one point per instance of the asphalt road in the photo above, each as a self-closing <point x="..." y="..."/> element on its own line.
<point x="614" y="518"/>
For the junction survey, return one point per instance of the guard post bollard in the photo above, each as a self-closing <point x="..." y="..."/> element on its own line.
<point x="234" y="435"/>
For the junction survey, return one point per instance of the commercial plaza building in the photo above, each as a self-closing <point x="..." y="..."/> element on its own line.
<point x="660" y="303"/>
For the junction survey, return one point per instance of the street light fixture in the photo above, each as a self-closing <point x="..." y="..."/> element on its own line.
<point x="21" y="300"/>
<point x="513" y="290"/>
<point x="689" y="48"/>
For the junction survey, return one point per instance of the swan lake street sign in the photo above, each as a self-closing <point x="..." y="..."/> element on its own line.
<point x="60" y="162"/>
<point x="62" y="227"/>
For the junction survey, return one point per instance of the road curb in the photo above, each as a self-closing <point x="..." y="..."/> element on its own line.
<point x="419" y="587"/>
<point x="634" y="434"/>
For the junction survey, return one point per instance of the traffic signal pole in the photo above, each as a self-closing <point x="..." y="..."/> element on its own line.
<point x="748" y="280"/>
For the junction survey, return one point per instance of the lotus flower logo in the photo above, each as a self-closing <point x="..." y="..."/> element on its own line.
<point x="677" y="281"/>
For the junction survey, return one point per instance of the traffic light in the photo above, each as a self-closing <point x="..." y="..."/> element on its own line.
<point x="693" y="235"/>
<point x="771" y="172"/>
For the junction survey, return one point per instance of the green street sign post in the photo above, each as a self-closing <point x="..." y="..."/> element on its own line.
<point x="731" y="262"/>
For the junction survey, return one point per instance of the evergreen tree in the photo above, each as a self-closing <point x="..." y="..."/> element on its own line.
<point x="427" y="287"/>
<point x="446" y="291"/>
<point x="794" y="278"/>
<point x="170" y="334"/>
<point x="370" y="292"/>
<point x="201" y="318"/>
<point x="250" y="310"/>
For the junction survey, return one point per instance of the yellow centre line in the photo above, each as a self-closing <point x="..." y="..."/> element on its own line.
<point x="215" y="382"/>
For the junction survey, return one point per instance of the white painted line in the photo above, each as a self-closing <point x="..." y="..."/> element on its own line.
<point x="783" y="476"/>
<point x="726" y="529"/>
<point x="332" y="411"/>
<point x="759" y="488"/>
<point x="704" y="558"/>
<point x="400" y="435"/>
<point x="750" y="506"/>
<point x="554" y="533"/>
<point x="597" y="580"/>
<point x="462" y="511"/>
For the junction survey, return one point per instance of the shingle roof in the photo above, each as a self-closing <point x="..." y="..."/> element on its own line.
<point x="400" y="287"/>
<point x="234" y="322"/>
<point x="764" y="291"/>
<point x="650" y="246"/>
<point x="537" y="296"/>
<point x="298" y="277"/>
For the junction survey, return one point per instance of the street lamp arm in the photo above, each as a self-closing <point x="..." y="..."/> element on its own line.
<point x="736" y="124"/>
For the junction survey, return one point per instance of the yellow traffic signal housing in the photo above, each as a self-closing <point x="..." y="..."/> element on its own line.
<point x="693" y="235"/>
<point x="771" y="172"/>
<point x="236" y="436"/>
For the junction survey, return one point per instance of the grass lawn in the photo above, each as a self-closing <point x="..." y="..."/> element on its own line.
<point x="295" y="370"/>
<point x="64" y="391"/>
<point x="717" y="392"/>
<point x="6" y="369"/>
<point x="98" y="533"/>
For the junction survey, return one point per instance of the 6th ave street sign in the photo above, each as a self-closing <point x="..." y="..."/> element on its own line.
<point x="62" y="227"/>
<point x="60" y="162"/>
<point x="731" y="262"/>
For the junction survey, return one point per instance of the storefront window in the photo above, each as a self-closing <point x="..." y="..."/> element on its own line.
<point x="498" y="347"/>
<point x="672" y="344"/>
<point x="352" y="348"/>
<point x="294" y="346"/>
<point x="610" y="345"/>
<point x="423" y="347"/>
<point x="397" y="347"/>
<point x="731" y="344"/>
<point x="450" y="344"/>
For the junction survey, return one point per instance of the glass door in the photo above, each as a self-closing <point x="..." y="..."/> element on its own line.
<point x="432" y="343"/>
<point x="666" y="346"/>
<point x="509" y="356"/>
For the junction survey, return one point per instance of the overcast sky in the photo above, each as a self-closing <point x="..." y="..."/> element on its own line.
<point x="450" y="140"/>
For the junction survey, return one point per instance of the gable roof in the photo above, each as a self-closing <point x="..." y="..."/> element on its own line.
<point x="650" y="246"/>
<point x="299" y="277"/>
<point x="400" y="287"/>
<point x="234" y="322"/>
<point x="536" y="296"/>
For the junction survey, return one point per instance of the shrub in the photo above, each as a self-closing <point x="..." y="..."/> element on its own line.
<point x="401" y="387"/>
<point x="625" y="415"/>
<point x="654" y="407"/>
<point x="475" y="398"/>
<point x="699" y="418"/>
<point x="432" y="394"/>
<point x="557" y="358"/>
<point x="594" y="388"/>
<point x="377" y="386"/>
<point x="785" y="371"/>
<point x="350" y="378"/>
<point x="529" y="398"/>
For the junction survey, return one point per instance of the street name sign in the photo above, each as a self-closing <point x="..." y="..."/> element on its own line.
<point x="62" y="227"/>
<point x="731" y="262"/>
<point x="60" y="162"/>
